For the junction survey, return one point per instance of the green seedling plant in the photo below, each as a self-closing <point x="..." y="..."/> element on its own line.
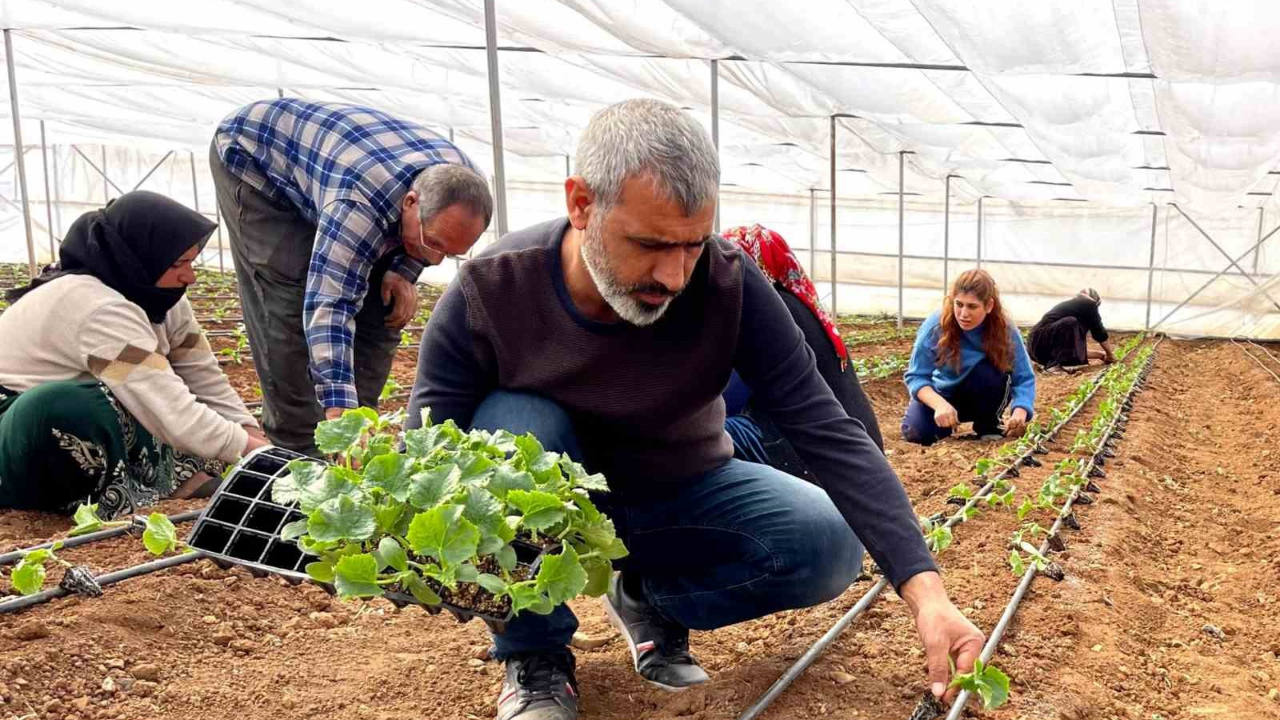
<point x="237" y="352"/>
<point x="389" y="390"/>
<point x="1018" y="565"/>
<point x="876" y="368"/>
<point x="986" y="681"/>
<point x="29" y="575"/>
<point x="936" y="535"/>
<point x="446" y="512"/>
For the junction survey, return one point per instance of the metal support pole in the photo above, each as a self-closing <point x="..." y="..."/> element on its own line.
<point x="1215" y="244"/>
<point x="495" y="116"/>
<point x="195" y="188"/>
<point x="946" y="236"/>
<point x="902" y="158"/>
<point x="834" y="311"/>
<point x="451" y="134"/>
<point x="48" y="203"/>
<point x="813" y="232"/>
<point x="715" y="122"/>
<point x="1261" y="212"/>
<point x="567" y="171"/>
<point x="18" y="152"/>
<point x="106" y="194"/>
<point x="154" y="168"/>
<point x="979" y="232"/>
<point x="1209" y="282"/>
<point x="1151" y="263"/>
<point x="57" y="192"/>
<point x="280" y="93"/>
<point x="101" y="170"/>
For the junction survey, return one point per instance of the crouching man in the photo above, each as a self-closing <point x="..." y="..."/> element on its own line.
<point x="610" y="334"/>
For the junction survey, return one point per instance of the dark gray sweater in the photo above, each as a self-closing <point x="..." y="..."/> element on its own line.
<point x="646" y="401"/>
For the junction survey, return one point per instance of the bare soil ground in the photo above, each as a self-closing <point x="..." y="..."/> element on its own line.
<point x="1168" y="610"/>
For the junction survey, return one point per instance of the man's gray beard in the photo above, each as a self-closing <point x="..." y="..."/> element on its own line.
<point x="614" y="293"/>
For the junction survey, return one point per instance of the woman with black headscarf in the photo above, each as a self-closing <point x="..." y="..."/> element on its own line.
<point x="109" y="392"/>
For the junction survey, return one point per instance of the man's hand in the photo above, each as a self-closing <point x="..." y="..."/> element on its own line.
<point x="947" y="635"/>
<point x="333" y="413"/>
<point x="1017" y="424"/>
<point x="405" y="297"/>
<point x="945" y="416"/>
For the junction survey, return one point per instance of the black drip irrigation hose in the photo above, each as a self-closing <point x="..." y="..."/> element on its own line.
<point x="993" y="641"/>
<point x="110" y="578"/>
<point x="872" y="594"/>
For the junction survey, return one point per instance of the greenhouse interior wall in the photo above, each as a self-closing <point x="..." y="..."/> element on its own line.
<point x="1039" y="253"/>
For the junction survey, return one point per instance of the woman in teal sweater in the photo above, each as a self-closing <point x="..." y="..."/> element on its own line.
<point x="968" y="364"/>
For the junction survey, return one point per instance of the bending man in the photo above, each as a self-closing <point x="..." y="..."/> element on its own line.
<point x="610" y="334"/>
<point x="331" y="207"/>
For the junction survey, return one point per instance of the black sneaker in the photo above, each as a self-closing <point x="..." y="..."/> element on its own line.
<point x="659" y="647"/>
<point x="539" y="687"/>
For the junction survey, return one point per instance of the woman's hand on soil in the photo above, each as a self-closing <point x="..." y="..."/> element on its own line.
<point x="945" y="416"/>
<point x="1017" y="424"/>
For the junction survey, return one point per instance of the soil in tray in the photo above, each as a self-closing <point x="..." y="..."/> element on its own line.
<point x="470" y="596"/>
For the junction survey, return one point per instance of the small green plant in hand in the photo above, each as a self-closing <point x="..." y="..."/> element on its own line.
<point x="988" y="682"/>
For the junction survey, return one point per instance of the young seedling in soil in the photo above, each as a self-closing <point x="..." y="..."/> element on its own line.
<point x="390" y="389"/>
<point x="988" y="682"/>
<point x="442" y="521"/>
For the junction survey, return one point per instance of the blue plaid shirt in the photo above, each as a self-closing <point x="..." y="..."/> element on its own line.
<point x="346" y="169"/>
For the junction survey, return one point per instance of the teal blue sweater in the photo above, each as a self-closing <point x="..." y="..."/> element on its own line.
<point x="924" y="369"/>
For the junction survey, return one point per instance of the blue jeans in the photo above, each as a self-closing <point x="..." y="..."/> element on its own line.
<point x="736" y="543"/>
<point x="980" y="398"/>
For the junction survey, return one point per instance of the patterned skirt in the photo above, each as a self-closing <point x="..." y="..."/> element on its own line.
<point x="66" y="443"/>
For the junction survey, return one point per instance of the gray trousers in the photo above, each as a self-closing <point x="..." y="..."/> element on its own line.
<point x="272" y="247"/>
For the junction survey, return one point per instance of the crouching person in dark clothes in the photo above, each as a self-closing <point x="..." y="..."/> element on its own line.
<point x="610" y="334"/>
<point x="1059" y="339"/>
<point x="755" y="436"/>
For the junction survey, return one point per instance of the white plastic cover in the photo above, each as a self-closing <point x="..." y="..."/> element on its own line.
<point x="1070" y="117"/>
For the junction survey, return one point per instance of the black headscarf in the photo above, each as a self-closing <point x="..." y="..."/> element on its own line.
<point x="129" y="245"/>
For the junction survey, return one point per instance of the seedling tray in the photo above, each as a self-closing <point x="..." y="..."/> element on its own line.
<point x="241" y="526"/>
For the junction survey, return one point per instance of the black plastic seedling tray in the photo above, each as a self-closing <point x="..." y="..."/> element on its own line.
<point x="241" y="526"/>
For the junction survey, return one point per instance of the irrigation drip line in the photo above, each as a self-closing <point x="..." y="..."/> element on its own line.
<point x="110" y="578"/>
<point x="1255" y="359"/>
<point x="136" y="522"/>
<point x="993" y="641"/>
<point x="874" y="592"/>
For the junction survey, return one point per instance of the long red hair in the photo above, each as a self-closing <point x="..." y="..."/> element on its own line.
<point x="995" y="328"/>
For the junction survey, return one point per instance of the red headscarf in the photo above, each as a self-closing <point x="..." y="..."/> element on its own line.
<point x="780" y="265"/>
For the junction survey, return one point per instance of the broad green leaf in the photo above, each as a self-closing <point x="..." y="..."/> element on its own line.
<point x="592" y="482"/>
<point x="599" y="572"/>
<point x="1016" y="564"/>
<point x="87" y="520"/>
<point x="492" y="583"/>
<point x="160" y="536"/>
<point x="421" y="442"/>
<point x="504" y="442"/>
<point x="505" y="479"/>
<point x="962" y="491"/>
<point x="28" y="577"/>
<point x="467" y="573"/>
<point x="482" y="509"/>
<point x="311" y="546"/>
<point x="526" y="596"/>
<point x="37" y="557"/>
<point x="342" y="519"/>
<point x="442" y="533"/>
<point x="390" y="473"/>
<point x="377" y="447"/>
<point x="616" y="550"/>
<point x="369" y="414"/>
<point x="546" y="469"/>
<point x="420" y="590"/>
<point x="561" y="576"/>
<point x="507" y="558"/>
<point x="476" y="469"/>
<point x="572" y="469"/>
<point x="332" y="483"/>
<point x="320" y="572"/>
<point x="600" y="534"/>
<point x="940" y="539"/>
<point x="390" y="554"/>
<point x="490" y="543"/>
<point x="993" y="687"/>
<point x="340" y="435"/>
<point x="539" y="510"/>
<point x="294" y="530"/>
<point x="529" y="449"/>
<point x="429" y="488"/>
<point x="588" y="508"/>
<point x="357" y="576"/>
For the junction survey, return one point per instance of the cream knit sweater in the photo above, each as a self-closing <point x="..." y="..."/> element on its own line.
<point x="77" y="328"/>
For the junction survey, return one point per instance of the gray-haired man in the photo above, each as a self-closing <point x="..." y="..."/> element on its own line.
<point x="327" y="206"/>
<point x="610" y="334"/>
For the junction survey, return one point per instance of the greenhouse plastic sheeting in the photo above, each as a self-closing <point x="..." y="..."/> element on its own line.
<point x="1071" y="120"/>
